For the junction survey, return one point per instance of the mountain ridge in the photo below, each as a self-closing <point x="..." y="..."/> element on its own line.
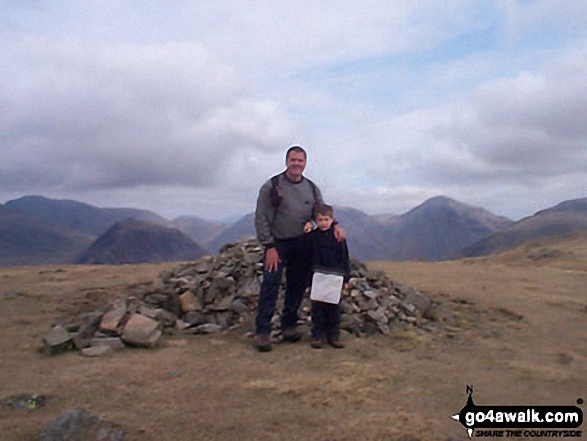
<point x="438" y="229"/>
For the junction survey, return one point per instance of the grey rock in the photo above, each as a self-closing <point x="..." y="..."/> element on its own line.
<point x="91" y="323"/>
<point x="96" y="351"/>
<point x="141" y="331"/>
<point x="209" y="328"/>
<point x="80" y="425"/>
<point x="113" y="343"/>
<point x="57" y="340"/>
<point x="195" y="318"/>
<point x="113" y="320"/>
<point x="418" y="300"/>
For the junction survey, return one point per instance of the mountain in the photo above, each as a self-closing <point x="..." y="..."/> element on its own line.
<point x="78" y="216"/>
<point x="245" y="227"/>
<point x="438" y="229"/>
<point x="29" y="240"/>
<point x="38" y="230"/>
<point x="135" y="241"/>
<point x="566" y="217"/>
<point x="365" y="235"/>
<point x="200" y="230"/>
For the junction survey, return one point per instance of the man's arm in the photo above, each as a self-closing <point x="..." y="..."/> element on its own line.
<point x="339" y="232"/>
<point x="263" y="216"/>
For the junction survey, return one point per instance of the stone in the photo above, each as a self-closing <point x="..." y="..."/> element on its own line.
<point x="209" y="328"/>
<point x="166" y="318"/>
<point x="83" y="337"/>
<point x="188" y="302"/>
<point x="80" y="425"/>
<point x="96" y="351"/>
<point x="418" y="300"/>
<point x="57" y="340"/>
<point x="141" y="331"/>
<point x="218" y="293"/>
<point x="248" y="287"/>
<point x="194" y="318"/>
<point x="149" y="312"/>
<point x="370" y="294"/>
<point x="224" y="304"/>
<point x="114" y="343"/>
<point x="112" y="320"/>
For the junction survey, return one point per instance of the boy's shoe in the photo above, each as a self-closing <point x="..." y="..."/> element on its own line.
<point x="335" y="343"/>
<point x="291" y="335"/>
<point x="263" y="343"/>
<point x="317" y="343"/>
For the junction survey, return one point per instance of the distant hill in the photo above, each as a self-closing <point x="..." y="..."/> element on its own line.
<point x="366" y="237"/>
<point x="29" y="240"/>
<point x="439" y="229"/>
<point x="134" y="241"/>
<point x="38" y="230"/>
<point x="244" y="227"/>
<point x="78" y="216"/>
<point x="435" y="230"/>
<point x="567" y="251"/>
<point x="566" y="217"/>
<point x="200" y="230"/>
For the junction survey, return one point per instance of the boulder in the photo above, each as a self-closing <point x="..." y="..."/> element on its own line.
<point x="141" y="331"/>
<point x="57" y="340"/>
<point x="112" y="321"/>
<point x="80" y="425"/>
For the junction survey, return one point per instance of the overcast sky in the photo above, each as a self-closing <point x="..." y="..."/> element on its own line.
<point x="187" y="107"/>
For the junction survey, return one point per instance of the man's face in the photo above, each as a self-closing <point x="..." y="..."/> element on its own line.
<point x="295" y="163"/>
<point x="323" y="222"/>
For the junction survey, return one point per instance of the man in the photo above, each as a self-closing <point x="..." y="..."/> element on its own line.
<point x="284" y="205"/>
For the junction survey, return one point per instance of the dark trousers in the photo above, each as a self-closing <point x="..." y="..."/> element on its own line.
<point x="325" y="321"/>
<point x="295" y="257"/>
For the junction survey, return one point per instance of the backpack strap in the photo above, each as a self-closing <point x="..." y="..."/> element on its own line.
<point x="276" y="196"/>
<point x="314" y="191"/>
<point x="275" y="193"/>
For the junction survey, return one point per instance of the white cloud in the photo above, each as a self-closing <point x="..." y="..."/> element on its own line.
<point x="191" y="105"/>
<point x="84" y="114"/>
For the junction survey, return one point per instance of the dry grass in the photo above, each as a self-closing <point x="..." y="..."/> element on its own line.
<point x="522" y="340"/>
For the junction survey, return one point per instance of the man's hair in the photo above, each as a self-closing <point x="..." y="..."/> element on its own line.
<point x="324" y="210"/>
<point x="295" y="148"/>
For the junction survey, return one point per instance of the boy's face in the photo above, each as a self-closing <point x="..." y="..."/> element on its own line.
<point x="323" y="221"/>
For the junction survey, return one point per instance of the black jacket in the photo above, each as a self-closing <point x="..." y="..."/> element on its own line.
<point x="328" y="253"/>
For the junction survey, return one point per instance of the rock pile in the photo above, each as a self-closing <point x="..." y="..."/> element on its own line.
<point x="214" y="294"/>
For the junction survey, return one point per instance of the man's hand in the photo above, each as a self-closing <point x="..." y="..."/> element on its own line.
<point x="339" y="233"/>
<point x="272" y="260"/>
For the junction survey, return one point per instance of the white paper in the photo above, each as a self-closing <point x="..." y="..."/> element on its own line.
<point x="326" y="287"/>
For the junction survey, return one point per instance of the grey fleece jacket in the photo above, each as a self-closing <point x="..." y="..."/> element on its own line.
<point x="287" y="221"/>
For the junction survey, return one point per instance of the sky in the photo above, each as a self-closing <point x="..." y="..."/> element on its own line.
<point x="188" y="107"/>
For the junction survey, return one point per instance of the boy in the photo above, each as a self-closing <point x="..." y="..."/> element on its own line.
<point x="330" y="254"/>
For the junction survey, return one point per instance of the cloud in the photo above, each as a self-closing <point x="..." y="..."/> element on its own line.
<point x="527" y="127"/>
<point x="79" y="114"/>
<point x="192" y="106"/>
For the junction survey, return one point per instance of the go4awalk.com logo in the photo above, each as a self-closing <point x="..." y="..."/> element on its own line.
<point x="520" y="421"/>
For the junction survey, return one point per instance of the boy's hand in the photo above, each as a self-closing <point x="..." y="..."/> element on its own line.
<point x="308" y="227"/>
<point x="345" y="286"/>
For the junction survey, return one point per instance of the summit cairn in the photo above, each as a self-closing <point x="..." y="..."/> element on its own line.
<point x="216" y="294"/>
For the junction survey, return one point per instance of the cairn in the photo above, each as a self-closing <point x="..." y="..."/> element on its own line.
<point x="216" y="294"/>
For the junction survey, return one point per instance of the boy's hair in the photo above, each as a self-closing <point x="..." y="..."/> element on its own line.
<point x="324" y="210"/>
